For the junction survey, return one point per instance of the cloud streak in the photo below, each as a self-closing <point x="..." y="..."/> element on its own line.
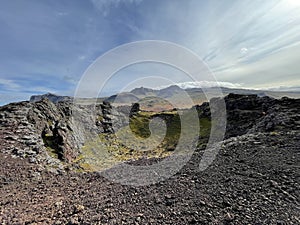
<point x="50" y="44"/>
<point x="9" y="85"/>
<point x="208" y="84"/>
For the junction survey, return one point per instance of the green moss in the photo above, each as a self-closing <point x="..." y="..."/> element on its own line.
<point x="274" y="133"/>
<point x="205" y="127"/>
<point x="86" y="167"/>
<point x="52" y="152"/>
<point x="78" y="158"/>
<point x="107" y="149"/>
<point x="100" y="118"/>
<point x="140" y="125"/>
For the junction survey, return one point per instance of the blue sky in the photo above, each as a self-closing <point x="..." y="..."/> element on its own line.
<point x="46" y="45"/>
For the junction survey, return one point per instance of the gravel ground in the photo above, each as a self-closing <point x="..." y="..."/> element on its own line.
<point x="254" y="180"/>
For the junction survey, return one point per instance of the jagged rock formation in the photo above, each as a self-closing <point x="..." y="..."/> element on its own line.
<point x="283" y="114"/>
<point x="49" y="133"/>
<point x="135" y="108"/>
<point x="18" y="135"/>
<point x="250" y="114"/>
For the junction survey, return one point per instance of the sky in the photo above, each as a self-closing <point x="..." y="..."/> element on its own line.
<point x="46" y="46"/>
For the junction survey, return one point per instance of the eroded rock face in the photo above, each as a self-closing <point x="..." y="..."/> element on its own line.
<point x="250" y="114"/>
<point x="243" y="112"/>
<point x="47" y="132"/>
<point x="18" y="135"/>
<point x="283" y="114"/>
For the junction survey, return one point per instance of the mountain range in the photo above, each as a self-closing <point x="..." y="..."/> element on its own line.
<point x="161" y="99"/>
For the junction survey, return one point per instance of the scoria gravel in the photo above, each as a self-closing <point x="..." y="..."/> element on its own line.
<point x="253" y="180"/>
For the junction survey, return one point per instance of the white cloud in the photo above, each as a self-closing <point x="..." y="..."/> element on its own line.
<point x="62" y="13"/>
<point x="204" y="84"/>
<point x="278" y="69"/>
<point x="9" y="84"/>
<point x="81" y="57"/>
<point x="285" y="88"/>
<point x="244" y="51"/>
<point x="104" y="6"/>
<point x="251" y="42"/>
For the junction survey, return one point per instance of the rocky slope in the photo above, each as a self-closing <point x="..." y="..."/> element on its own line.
<point x="251" y="114"/>
<point x="254" y="179"/>
<point x="50" y="133"/>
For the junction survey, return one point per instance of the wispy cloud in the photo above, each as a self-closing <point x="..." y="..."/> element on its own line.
<point x="285" y="88"/>
<point x="50" y="44"/>
<point x="105" y="6"/>
<point x="208" y="84"/>
<point x="9" y="85"/>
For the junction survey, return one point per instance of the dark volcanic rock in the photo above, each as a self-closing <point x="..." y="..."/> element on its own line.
<point x="135" y="108"/>
<point x="250" y="113"/>
<point x="283" y="114"/>
<point x="47" y="132"/>
<point x="243" y="111"/>
<point x="248" y="183"/>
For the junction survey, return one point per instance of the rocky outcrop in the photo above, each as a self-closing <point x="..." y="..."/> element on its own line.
<point x="283" y="114"/>
<point x="251" y="113"/>
<point x="243" y="111"/>
<point x="135" y="108"/>
<point x="51" y="133"/>
<point x="18" y="135"/>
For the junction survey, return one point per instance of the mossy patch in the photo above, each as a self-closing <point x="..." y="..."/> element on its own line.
<point x="107" y="150"/>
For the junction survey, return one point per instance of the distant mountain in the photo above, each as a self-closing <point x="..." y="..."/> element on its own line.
<point x="151" y="99"/>
<point x="142" y="91"/>
<point x="170" y="91"/>
<point x="52" y="97"/>
<point x="125" y="97"/>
